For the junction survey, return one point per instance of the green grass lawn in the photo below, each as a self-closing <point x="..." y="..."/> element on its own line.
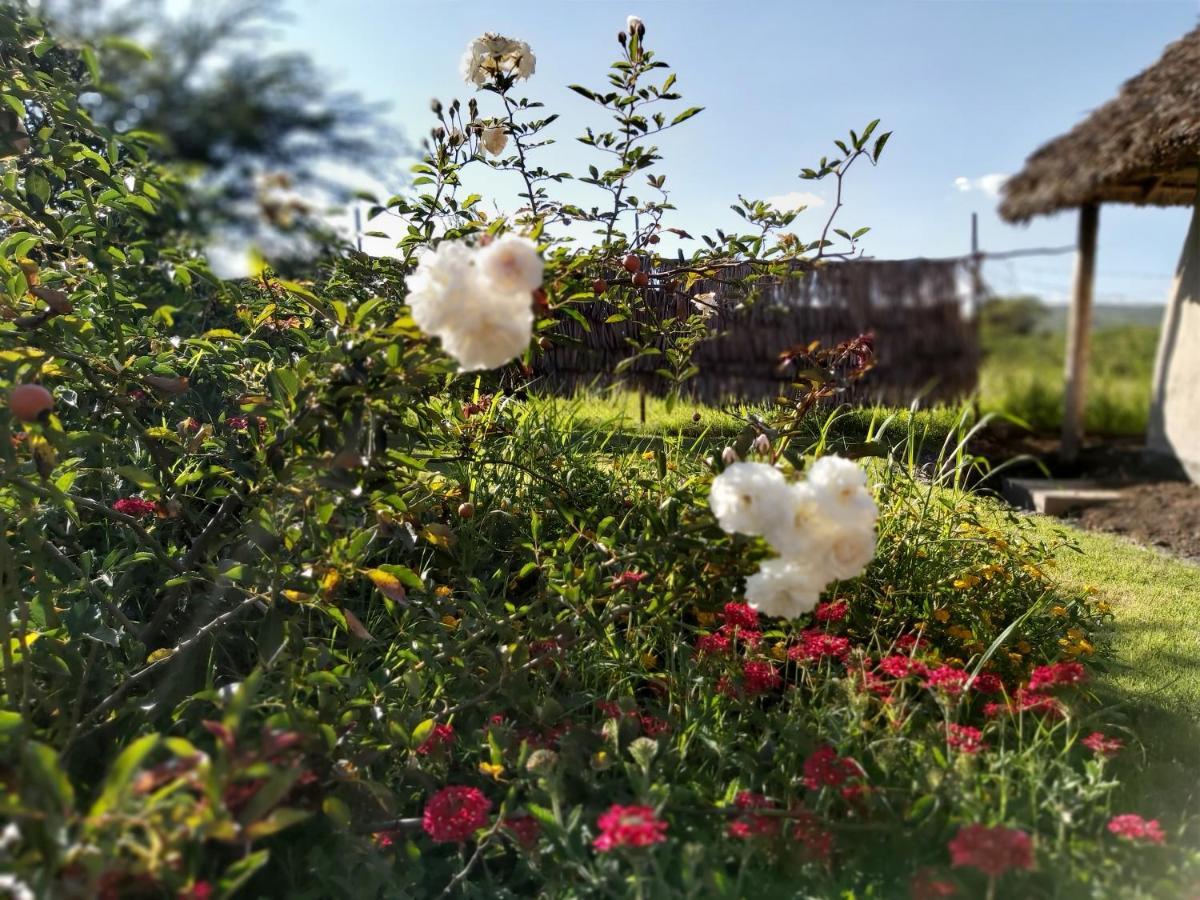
<point x="1156" y="678"/>
<point x="1022" y="373"/>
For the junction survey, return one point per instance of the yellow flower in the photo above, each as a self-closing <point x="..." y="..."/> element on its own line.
<point x="450" y="622"/>
<point x="1016" y="659"/>
<point x="443" y="590"/>
<point x="1091" y="589"/>
<point x="779" y="650"/>
<point x="649" y="454"/>
<point x="600" y="759"/>
<point x="942" y="615"/>
<point x="706" y="618"/>
<point x="649" y="660"/>
<point x="1059" y="611"/>
<point x="492" y="770"/>
<point x="1024" y="646"/>
<point x="967" y="581"/>
<point x="1102" y="607"/>
<point x="958" y="631"/>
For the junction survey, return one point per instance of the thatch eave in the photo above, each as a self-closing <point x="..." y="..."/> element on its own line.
<point x="1142" y="147"/>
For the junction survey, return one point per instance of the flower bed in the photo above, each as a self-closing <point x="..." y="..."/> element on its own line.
<point x="292" y="607"/>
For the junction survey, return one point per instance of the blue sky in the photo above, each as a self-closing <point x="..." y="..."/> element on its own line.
<point x="969" y="89"/>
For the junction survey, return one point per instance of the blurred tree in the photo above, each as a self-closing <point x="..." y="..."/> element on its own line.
<point x="1001" y="316"/>
<point x="265" y="134"/>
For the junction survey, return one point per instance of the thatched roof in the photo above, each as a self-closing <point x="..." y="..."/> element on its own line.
<point x="1143" y="146"/>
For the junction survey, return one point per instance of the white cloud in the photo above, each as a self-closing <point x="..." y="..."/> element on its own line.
<point x="794" y="200"/>
<point x="987" y="184"/>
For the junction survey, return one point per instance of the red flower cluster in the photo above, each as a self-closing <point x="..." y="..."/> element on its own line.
<point x="1059" y="674"/>
<point x="715" y="644"/>
<point x="816" y="644"/>
<point x="751" y="824"/>
<point x="965" y="738"/>
<point x="134" y="506"/>
<point x="947" y="679"/>
<point x="455" y="813"/>
<point x="900" y="666"/>
<point x="992" y="851"/>
<point x="987" y="683"/>
<point x="759" y="677"/>
<point x="651" y="726"/>
<point x="1135" y="828"/>
<point x="441" y="736"/>
<point x="1025" y="701"/>
<point x="910" y="642"/>
<point x="740" y="615"/>
<point x="525" y="829"/>
<point x="832" y="611"/>
<point x="824" y="768"/>
<point x="1102" y="745"/>
<point x="629" y="826"/>
<point x="811" y="832"/>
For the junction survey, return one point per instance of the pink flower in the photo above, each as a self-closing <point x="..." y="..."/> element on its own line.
<point x="900" y="666"/>
<point x="1059" y="674"/>
<point x="525" y="829"/>
<point x="992" y="851"/>
<point x="824" y="768"/>
<point x="947" y="679"/>
<point x="455" y="813"/>
<point x="815" y="645"/>
<point x="1028" y="701"/>
<point x="201" y="890"/>
<point x="243" y="423"/>
<point x="752" y="825"/>
<point x="987" y="683"/>
<point x="629" y="578"/>
<point x="441" y="736"/>
<point x="965" y="738"/>
<point x="134" y="506"/>
<point x="1102" y="745"/>
<point x="740" y="615"/>
<point x="1133" y="827"/>
<point x="831" y="611"/>
<point x="760" y="677"/>
<point x="629" y="826"/>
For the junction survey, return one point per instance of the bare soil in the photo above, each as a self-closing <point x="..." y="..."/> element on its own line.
<point x="1158" y="506"/>
<point x="1164" y="514"/>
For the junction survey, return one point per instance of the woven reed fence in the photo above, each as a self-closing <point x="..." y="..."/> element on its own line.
<point x="926" y="339"/>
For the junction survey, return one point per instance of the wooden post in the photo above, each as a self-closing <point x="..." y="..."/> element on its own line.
<point x="1079" y="333"/>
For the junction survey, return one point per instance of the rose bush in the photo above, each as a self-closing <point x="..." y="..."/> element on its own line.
<point x="292" y="606"/>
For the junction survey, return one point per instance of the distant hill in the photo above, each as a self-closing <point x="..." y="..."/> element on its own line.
<point x="1107" y="315"/>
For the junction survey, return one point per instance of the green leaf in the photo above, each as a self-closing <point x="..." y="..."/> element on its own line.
<point x="121" y="774"/>
<point x="687" y="114"/>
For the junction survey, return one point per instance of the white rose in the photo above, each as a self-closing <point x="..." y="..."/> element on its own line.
<point x="803" y="532"/>
<point x="633" y="25"/>
<point x="493" y="332"/>
<point x="493" y="54"/>
<point x="784" y="587"/>
<point x="511" y="264"/>
<point x="480" y="325"/>
<point x="850" y="550"/>
<point x="750" y="498"/>
<point x="442" y="285"/>
<point x="841" y="488"/>
<point x="494" y="139"/>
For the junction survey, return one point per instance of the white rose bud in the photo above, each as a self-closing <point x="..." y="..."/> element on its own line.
<point x="762" y="444"/>
<point x="635" y="26"/>
<point x="729" y="456"/>
<point x="494" y="139"/>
